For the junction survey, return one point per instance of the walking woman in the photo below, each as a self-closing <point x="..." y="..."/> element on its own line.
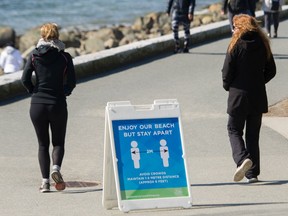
<point x="248" y="66"/>
<point x="55" y="79"/>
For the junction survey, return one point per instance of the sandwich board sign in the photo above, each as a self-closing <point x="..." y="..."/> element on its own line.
<point x="144" y="157"/>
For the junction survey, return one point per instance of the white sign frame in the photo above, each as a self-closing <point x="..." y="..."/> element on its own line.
<point x="124" y="110"/>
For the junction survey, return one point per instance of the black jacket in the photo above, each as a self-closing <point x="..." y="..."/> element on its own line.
<point x="239" y="6"/>
<point x="55" y="75"/>
<point x="184" y="7"/>
<point x="245" y="72"/>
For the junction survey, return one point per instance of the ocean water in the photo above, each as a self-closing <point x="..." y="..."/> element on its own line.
<point x="23" y="15"/>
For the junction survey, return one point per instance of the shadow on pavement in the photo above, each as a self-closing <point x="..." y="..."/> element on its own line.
<point x="235" y="204"/>
<point x="272" y="182"/>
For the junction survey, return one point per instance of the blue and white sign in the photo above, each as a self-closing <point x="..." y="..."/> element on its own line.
<point x="144" y="157"/>
<point x="150" y="162"/>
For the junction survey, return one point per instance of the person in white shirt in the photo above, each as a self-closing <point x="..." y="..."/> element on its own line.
<point x="10" y="59"/>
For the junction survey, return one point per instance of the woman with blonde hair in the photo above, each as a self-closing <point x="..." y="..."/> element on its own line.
<point x="248" y="66"/>
<point x="55" y="80"/>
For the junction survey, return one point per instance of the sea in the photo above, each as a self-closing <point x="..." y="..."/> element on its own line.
<point x="23" y="15"/>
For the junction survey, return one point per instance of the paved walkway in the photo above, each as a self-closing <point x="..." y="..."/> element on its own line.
<point x="195" y="80"/>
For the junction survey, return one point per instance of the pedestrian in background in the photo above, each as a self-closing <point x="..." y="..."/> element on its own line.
<point x="271" y="10"/>
<point x="253" y="5"/>
<point x="182" y="12"/>
<point x="248" y="66"/>
<point x="55" y="80"/>
<point x="10" y="59"/>
<point x="234" y="7"/>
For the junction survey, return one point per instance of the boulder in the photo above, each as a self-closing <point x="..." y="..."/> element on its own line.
<point x="70" y="38"/>
<point x="92" y="45"/>
<point x="30" y="38"/>
<point x="72" y="51"/>
<point x="163" y="20"/>
<point x="105" y="33"/>
<point x="130" y="38"/>
<point x="206" y="20"/>
<point x="110" y="43"/>
<point x="138" y="24"/>
<point x="215" y="8"/>
<point x="80" y="42"/>
<point x="27" y="52"/>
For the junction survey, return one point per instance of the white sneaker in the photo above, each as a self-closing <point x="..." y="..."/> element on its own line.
<point x="241" y="170"/>
<point x="44" y="188"/>
<point x="252" y="180"/>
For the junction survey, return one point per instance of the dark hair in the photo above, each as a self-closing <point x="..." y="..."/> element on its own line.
<point x="10" y="43"/>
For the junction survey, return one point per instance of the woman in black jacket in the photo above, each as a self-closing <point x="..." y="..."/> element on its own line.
<point x="248" y="66"/>
<point x="54" y="80"/>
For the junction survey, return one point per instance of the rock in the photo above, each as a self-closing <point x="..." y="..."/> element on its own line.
<point x="30" y="38"/>
<point x="70" y="39"/>
<point x="83" y="42"/>
<point x="196" y="21"/>
<point x="166" y="29"/>
<point x="117" y="33"/>
<point x="72" y="51"/>
<point x="130" y="38"/>
<point x="154" y="16"/>
<point x="163" y="20"/>
<point x="105" y="33"/>
<point x="141" y="35"/>
<point x="206" y="20"/>
<point x="27" y="52"/>
<point x="148" y="23"/>
<point x="110" y="43"/>
<point x="93" y="45"/>
<point x="126" y="30"/>
<point x="215" y="8"/>
<point x="138" y="24"/>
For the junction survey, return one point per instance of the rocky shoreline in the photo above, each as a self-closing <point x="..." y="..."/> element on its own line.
<point x="79" y="42"/>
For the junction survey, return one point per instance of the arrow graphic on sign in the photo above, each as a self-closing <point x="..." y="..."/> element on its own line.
<point x="149" y="151"/>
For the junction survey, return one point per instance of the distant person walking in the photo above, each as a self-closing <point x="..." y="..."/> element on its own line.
<point x="55" y="80"/>
<point x="10" y="59"/>
<point x="248" y="66"/>
<point x="182" y="12"/>
<point x="234" y="7"/>
<point x="271" y="10"/>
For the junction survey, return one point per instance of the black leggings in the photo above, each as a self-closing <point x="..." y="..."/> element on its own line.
<point x="44" y="116"/>
<point x="271" y="18"/>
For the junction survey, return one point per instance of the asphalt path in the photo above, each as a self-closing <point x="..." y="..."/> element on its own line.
<point x="193" y="79"/>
